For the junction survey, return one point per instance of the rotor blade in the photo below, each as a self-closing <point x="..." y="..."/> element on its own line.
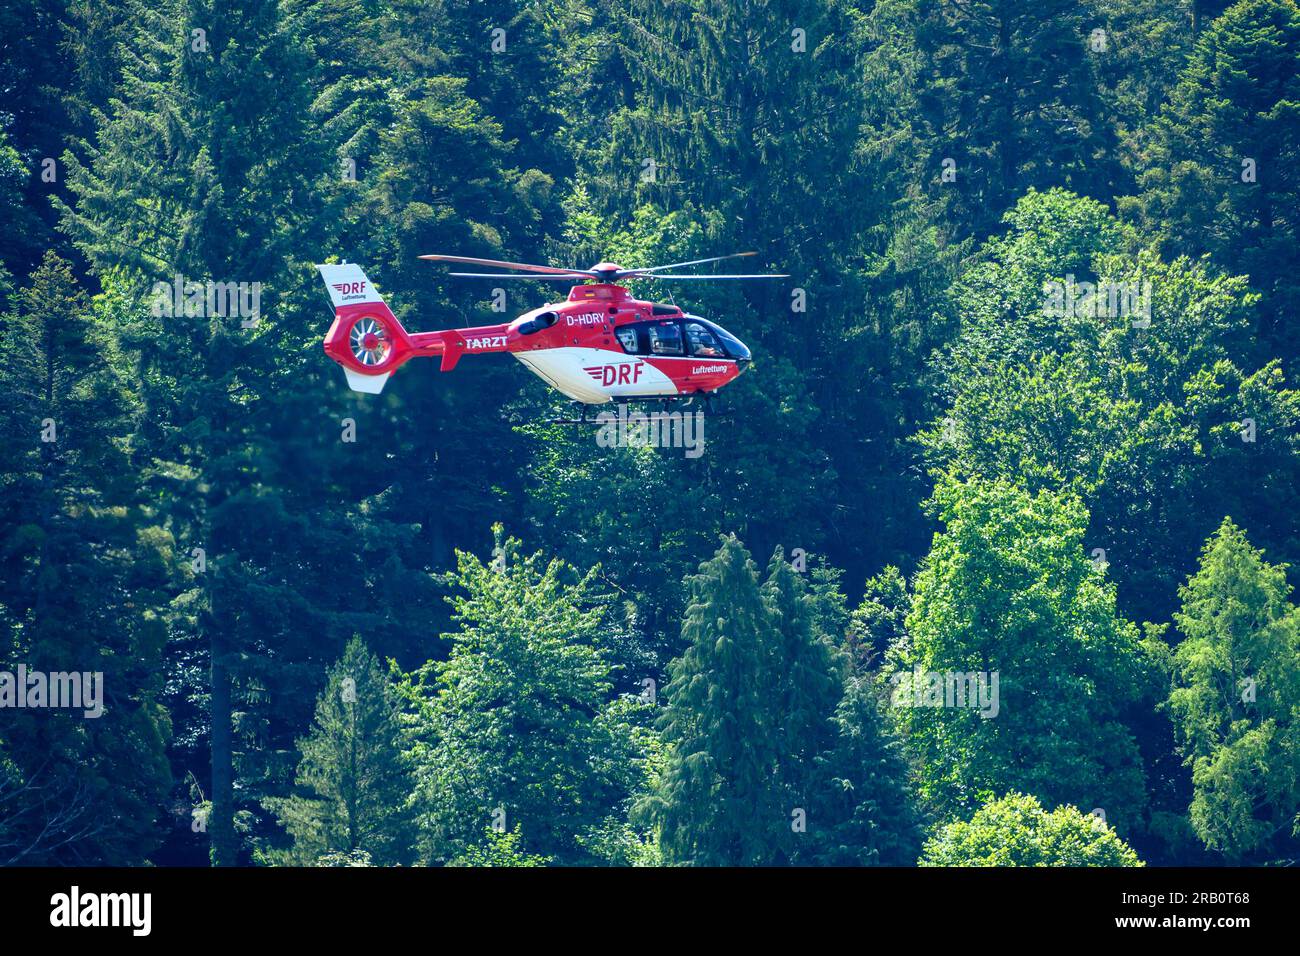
<point x="521" y="266"/>
<point x="580" y="276"/>
<point x="708" y="278"/>
<point x="693" y="262"/>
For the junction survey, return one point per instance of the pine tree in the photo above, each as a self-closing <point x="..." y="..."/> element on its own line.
<point x="807" y="684"/>
<point x="744" y="117"/>
<point x="1139" y="48"/>
<point x="719" y="802"/>
<point x="1236" y="699"/>
<point x="769" y="761"/>
<point x="1003" y="98"/>
<point x="75" y="788"/>
<point x="505" y="50"/>
<point x="878" y="622"/>
<point x="209" y="167"/>
<point x="1218" y="175"/>
<point x="36" y="68"/>
<point x="353" y="780"/>
<point x="740" y="107"/>
<point x="862" y="812"/>
<point x="443" y="178"/>
<point x="200" y="170"/>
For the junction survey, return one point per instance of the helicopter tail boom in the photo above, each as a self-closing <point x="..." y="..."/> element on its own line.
<point x="368" y="341"/>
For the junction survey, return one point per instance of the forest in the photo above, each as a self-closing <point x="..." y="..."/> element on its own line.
<point x="987" y="560"/>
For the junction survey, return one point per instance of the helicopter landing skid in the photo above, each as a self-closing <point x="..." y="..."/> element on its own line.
<point x="689" y="404"/>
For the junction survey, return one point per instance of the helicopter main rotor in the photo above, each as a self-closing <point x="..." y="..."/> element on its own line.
<point x="603" y="272"/>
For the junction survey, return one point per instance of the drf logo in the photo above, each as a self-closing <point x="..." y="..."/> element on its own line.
<point x="615" y="374"/>
<point x="350" y="288"/>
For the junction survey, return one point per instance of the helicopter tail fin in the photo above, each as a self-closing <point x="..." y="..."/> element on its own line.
<point x="366" y="338"/>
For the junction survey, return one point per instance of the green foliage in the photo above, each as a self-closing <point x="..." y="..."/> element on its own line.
<point x="499" y="849"/>
<point x="353" y="780"/>
<point x="1140" y="418"/>
<point x="1236" y="697"/>
<point x="719" y="801"/>
<point x="358" y="858"/>
<point x="1002" y="96"/>
<point x="11" y="206"/>
<point x="199" y="533"/>
<point x="809" y="677"/>
<point x="207" y="166"/>
<point x="74" y="562"/>
<point x="1144" y="46"/>
<point x="1216" y="177"/>
<point x="516" y="725"/>
<point x="769" y="759"/>
<point x="863" y="807"/>
<point x="879" y="621"/>
<point x="1016" y="831"/>
<point x="1008" y="590"/>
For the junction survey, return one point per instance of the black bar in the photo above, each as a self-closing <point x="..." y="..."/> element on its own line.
<point x="943" y="906"/>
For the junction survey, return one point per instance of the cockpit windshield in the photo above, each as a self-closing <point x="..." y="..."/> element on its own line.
<point x="735" y="348"/>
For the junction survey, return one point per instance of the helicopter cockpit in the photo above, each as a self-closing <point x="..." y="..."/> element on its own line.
<point x="688" y="336"/>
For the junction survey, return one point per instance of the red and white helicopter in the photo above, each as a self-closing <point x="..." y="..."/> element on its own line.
<point x="599" y="345"/>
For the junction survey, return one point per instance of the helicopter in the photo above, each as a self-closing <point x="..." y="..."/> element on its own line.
<point x="600" y="345"/>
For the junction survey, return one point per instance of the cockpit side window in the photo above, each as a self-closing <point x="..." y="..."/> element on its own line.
<point x="627" y="338"/>
<point x="666" y="339"/>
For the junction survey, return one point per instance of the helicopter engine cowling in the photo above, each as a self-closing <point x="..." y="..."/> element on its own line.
<point x="538" y="323"/>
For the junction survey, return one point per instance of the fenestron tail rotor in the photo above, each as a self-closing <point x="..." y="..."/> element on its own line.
<point x="605" y="272"/>
<point x="369" y="341"/>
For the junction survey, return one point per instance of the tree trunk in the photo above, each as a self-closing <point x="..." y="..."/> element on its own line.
<point x="221" y="822"/>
